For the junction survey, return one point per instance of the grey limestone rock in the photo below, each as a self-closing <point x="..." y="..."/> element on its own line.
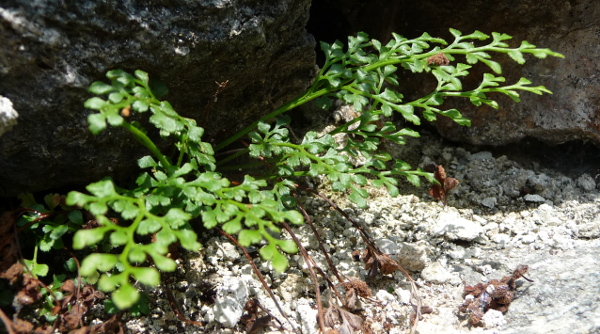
<point x="8" y="115"/>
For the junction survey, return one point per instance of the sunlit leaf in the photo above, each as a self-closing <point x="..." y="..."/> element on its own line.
<point x="125" y="296"/>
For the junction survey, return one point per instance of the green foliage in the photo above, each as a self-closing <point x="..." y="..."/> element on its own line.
<point x="140" y="308"/>
<point x="49" y="301"/>
<point x="168" y="195"/>
<point x="173" y="191"/>
<point x="45" y="225"/>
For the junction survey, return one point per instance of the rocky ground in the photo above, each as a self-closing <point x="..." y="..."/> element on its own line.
<point x="503" y="214"/>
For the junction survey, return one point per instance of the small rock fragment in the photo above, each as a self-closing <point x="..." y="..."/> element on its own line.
<point x="413" y="256"/>
<point x="586" y="182"/>
<point x="436" y="273"/>
<point x="534" y="198"/>
<point x="483" y="155"/>
<point x="454" y="227"/>
<point x="308" y="316"/>
<point x="489" y="202"/>
<point x="528" y="238"/>
<point x="230" y="301"/>
<point x="493" y="318"/>
<point x="8" y="115"/>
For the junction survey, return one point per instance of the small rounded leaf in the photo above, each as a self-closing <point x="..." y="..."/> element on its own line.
<point x="59" y="231"/>
<point x="95" y="103"/>
<point x="137" y="254"/>
<point x="148" y="226"/>
<point x="294" y="217"/>
<point x="98" y="208"/>
<point x="116" y="97"/>
<point x="146" y="275"/>
<point x="288" y="246"/>
<point x="104" y="188"/>
<point x="279" y="262"/>
<point x="188" y="239"/>
<point x="97" y="261"/>
<point x="248" y="237"/>
<point x="109" y="283"/>
<point x="126" y="296"/>
<point x="100" y="88"/>
<point x="140" y="106"/>
<point x="166" y="236"/>
<point x="268" y="251"/>
<point x="75" y="216"/>
<point x="114" y="119"/>
<point x="97" y="123"/>
<point x="177" y="217"/>
<point x="75" y="198"/>
<point x="118" y="238"/>
<point x="164" y="263"/>
<point x="233" y="226"/>
<point x="84" y="238"/>
<point x="141" y="75"/>
<point x="146" y="162"/>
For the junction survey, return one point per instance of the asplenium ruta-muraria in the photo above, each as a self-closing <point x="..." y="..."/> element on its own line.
<point x="173" y="190"/>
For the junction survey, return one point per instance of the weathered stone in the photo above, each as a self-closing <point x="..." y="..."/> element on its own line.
<point x="413" y="256"/>
<point x="230" y="299"/>
<point x="534" y="198"/>
<point x="8" y="115"/>
<point x="489" y="202"/>
<point x="51" y="52"/>
<point x="586" y="182"/>
<point x="493" y="318"/>
<point x="564" y="297"/>
<point x="436" y="273"/>
<point x="568" y="27"/>
<point x="451" y="225"/>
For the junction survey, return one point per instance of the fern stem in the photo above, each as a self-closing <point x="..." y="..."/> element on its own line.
<point x="286" y="107"/>
<point x="145" y="140"/>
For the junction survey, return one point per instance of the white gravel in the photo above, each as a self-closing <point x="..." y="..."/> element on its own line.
<point x="500" y="216"/>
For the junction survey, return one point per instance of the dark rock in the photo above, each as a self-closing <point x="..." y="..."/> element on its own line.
<point x="569" y="27"/>
<point x="51" y="52"/>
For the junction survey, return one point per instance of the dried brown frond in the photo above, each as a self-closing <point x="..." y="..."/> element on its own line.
<point x="496" y="295"/>
<point x="440" y="191"/>
<point x="439" y="59"/>
<point x="362" y="289"/>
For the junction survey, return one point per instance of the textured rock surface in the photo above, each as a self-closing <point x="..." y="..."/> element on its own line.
<point x="52" y="51"/>
<point x="569" y="27"/>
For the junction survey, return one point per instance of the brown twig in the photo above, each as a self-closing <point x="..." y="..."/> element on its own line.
<point x="175" y="306"/>
<point x="309" y="264"/>
<point x="8" y="324"/>
<point x="260" y="277"/>
<point x="364" y="235"/>
<point x="316" y="233"/>
<point x="41" y="216"/>
<point x="374" y="249"/>
<point x="309" y="258"/>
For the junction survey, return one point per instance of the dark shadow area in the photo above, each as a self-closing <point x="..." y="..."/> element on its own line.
<point x="572" y="158"/>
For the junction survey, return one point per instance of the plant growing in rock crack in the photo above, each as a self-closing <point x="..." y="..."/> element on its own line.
<point x="173" y="190"/>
